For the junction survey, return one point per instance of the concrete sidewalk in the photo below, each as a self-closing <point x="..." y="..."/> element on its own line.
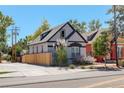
<point x="28" y="70"/>
<point x="8" y="82"/>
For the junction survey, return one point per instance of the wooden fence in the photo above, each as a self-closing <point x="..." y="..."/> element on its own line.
<point x="18" y="59"/>
<point x="41" y="58"/>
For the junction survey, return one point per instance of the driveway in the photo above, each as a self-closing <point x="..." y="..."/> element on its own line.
<point x="26" y="70"/>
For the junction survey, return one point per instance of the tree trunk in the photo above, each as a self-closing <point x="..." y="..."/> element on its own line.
<point x="105" y="63"/>
<point x="0" y="57"/>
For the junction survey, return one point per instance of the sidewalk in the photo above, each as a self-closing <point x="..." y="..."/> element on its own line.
<point x="28" y="70"/>
<point x="8" y="82"/>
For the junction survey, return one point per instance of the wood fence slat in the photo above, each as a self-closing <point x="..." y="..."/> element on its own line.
<point x="42" y="58"/>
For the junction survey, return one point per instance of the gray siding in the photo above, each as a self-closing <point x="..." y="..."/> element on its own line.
<point x="67" y="30"/>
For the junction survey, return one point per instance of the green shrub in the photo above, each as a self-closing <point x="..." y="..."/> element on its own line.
<point x="75" y="62"/>
<point x="121" y="63"/>
<point x="82" y="63"/>
<point x="82" y="67"/>
<point x="91" y="67"/>
<point x="72" y="66"/>
<point x="61" y="56"/>
<point x="86" y="63"/>
<point x="6" y="57"/>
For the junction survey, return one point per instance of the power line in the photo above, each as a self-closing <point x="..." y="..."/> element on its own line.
<point x="115" y="31"/>
<point x="14" y="32"/>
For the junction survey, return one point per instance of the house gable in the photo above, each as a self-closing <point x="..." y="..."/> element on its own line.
<point x="67" y="31"/>
<point x="75" y="37"/>
<point x="70" y="34"/>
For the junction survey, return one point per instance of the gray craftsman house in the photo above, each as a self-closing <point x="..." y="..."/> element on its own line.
<point x="76" y="43"/>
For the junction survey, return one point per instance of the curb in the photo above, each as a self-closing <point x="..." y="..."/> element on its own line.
<point x="45" y="75"/>
<point x="47" y="81"/>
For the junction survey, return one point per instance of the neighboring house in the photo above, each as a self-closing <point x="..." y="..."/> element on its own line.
<point x="120" y="47"/>
<point x="76" y="43"/>
<point x="91" y="37"/>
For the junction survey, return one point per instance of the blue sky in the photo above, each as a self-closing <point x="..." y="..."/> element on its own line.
<point x="29" y="18"/>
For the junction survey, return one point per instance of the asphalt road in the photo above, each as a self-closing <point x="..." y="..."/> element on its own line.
<point x="98" y="82"/>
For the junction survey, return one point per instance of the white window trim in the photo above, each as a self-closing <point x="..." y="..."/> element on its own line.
<point x="61" y="33"/>
<point x="119" y="51"/>
<point x="75" y="51"/>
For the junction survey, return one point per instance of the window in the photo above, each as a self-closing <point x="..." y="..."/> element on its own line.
<point x="33" y="49"/>
<point x="41" y="49"/>
<point x="51" y="49"/>
<point x="120" y="52"/>
<point x="75" y="52"/>
<point x="37" y="49"/>
<point x="44" y="34"/>
<point x="62" y="34"/>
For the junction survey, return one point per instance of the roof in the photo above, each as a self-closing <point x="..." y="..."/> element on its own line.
<point x="46" y="35"/>
<point x="53" y="31"/>
<point x="91" y="35"/>
<point x="84" y="35"/>
<point x="94" y="34"/>
<point x="120" y="40"/>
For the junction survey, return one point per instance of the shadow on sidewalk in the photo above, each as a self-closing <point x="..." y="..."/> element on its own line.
<point x="6" y="72"/>
<point x="108" y="69"/>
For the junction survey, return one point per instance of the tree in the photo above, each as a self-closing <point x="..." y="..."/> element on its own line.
<point x="5" y="22"/>
<point x="119" y="18"/>
<point x="94" y="25"/>
<point x="101" y="47"/>
<point x="21" y="45"/>
<point x="116" y="24"/>
<point x="81" y="27"/>
<point x="29" y="38"/>
<point x="44" y="26"/>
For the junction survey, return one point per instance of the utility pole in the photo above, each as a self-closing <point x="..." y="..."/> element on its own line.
<point x="116" y="32"/>
<point x="14" y="41"/>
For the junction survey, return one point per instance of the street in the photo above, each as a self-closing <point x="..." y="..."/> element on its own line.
<point x="32" y="76"/>
<point x="116" y="81"/>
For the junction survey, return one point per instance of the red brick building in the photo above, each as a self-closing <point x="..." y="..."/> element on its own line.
<point x="91" y="37"/>
<point x="120" y="46"/>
